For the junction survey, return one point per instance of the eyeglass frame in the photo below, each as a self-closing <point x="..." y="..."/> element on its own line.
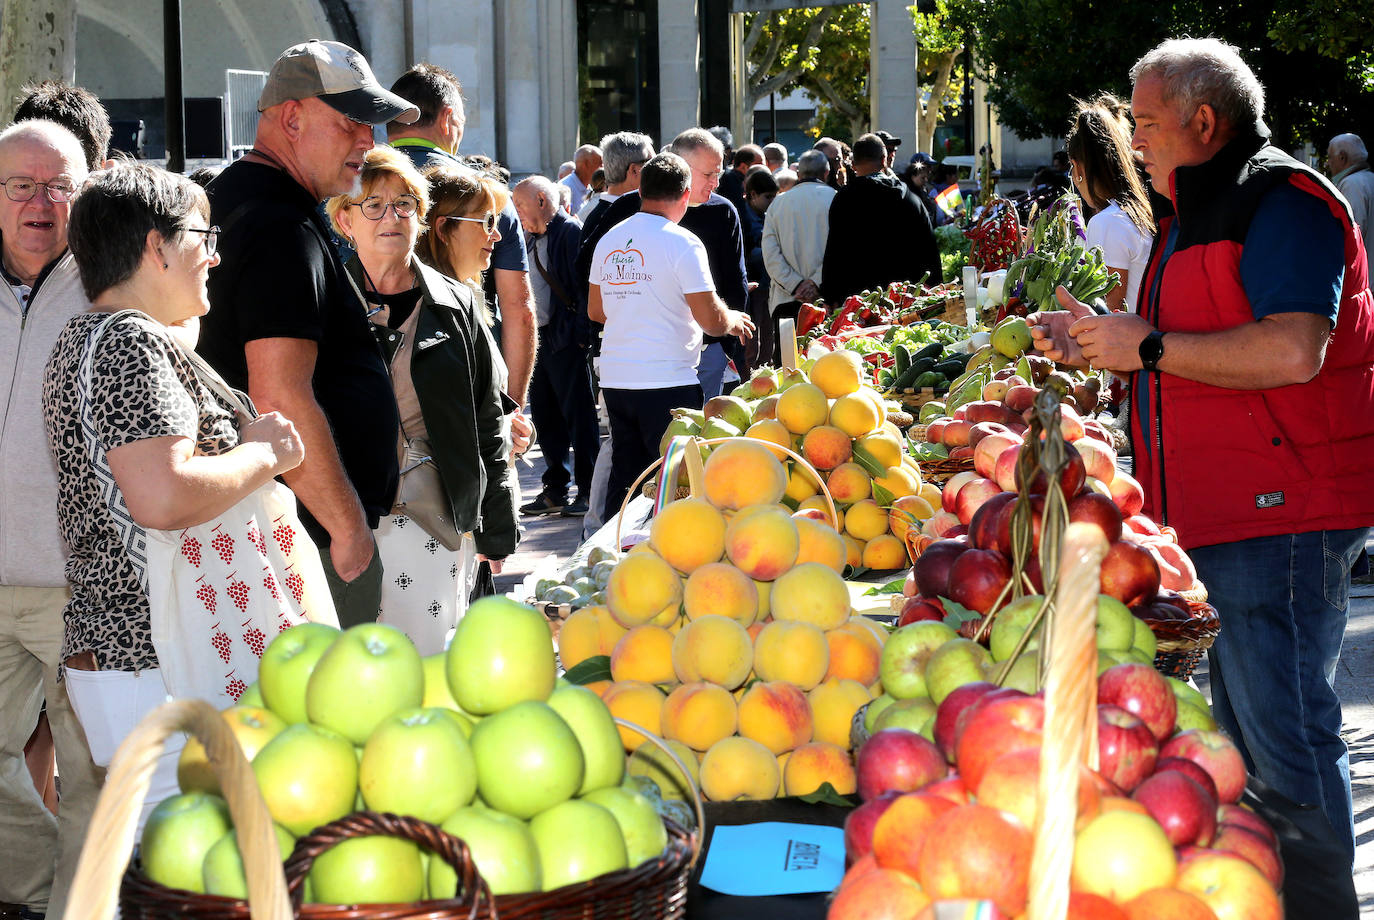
<point x="362" y="207"/>
<point x="211" y="238"/>
<point x="489" y="223"/>
<point x="68" y="193"/>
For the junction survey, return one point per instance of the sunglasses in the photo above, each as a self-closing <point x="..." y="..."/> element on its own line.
<point x="488" y="223"/>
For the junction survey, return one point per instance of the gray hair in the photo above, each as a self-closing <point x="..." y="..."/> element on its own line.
<point x="59" y="137"/>
<point x="694" y="139"/>
<point x="620" y="150"/>
<point x="585" y="151"/>
<point x="111" y="218"/>
<point x="565" y="168"/>
<point x="1351" y="146"/>
<point x="542" y="185"/>
<point x="775" y="153"/>
<point x="813" y="164"/>
<point x="785" y="178"/>
<point x="1204" y="71"/>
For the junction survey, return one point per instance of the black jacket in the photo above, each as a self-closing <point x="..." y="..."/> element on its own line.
<point x="453" y="370"/>
<point x="567" y="323"/>
<point x="879" y="233"/>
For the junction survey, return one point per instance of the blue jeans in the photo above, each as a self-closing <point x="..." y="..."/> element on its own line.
<point x="1283" y="602"/>
<point x="711" y="370"/>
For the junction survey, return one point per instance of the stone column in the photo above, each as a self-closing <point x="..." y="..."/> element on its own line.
<point x="893" y="86"/>
<point x="463" y="42"/>
<point x="679" y="78"/>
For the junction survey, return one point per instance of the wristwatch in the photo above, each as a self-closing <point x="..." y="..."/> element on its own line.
<point x="1151" y="350"/>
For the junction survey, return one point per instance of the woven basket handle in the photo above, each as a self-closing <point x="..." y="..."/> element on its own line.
<point x="711" y="442"/>
<point x="1070" y="735"/>
<point x="377" y="824"/>
<point x="111" y="836"/>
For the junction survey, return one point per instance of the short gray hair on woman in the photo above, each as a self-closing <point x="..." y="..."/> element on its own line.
<point x="111" y="218"/>
<point x="1198" y="71"/>
<point x="813" y="164"/>
<point x="694" y="139"/>
<point x="621" y="150"/>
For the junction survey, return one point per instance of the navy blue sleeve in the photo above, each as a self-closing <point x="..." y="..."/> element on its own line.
<point x="1294" y="256"/>
<point x="734" y="286"/>
<point x="509" y="251"/>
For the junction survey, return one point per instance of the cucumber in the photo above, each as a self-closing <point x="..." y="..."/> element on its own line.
<point x="929" y="379"/>
<point x="904" y="380"/>
<point x="950" y="368"/>
<point x="901" y="357"/>
<point x="923" y="364"/>
<point x="932" y="350"/>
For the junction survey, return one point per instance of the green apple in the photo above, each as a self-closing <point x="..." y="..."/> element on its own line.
<point x="179" y="832"/>
<point x="1185" y="692"/>
<point x="418" y="762"/>
<point x="223" y="869"/>
<point x="286" y="666"/>
<point x="253" y="727"/>
<point x="252" y="696"/>
<point x="436" y="684"/>
<point x="875" y="709"/>
<point x="1115" y="624"/>
<point x="1145" y="638"/>
<point x="1024" y="670"/>
<point x="528" y="759"/>
<point x="577" y="840"/>
<point x="502" y="654"/>
<point x="371" y="672"/>
<point x="640" y="824"/>
<point x="465" y="723"/>
<point x="649" y="762"/>
<point x="910" y="714"/>
<point x="501" y="846"/>
<point x="959" y="661"/>
<point x="1191" y="715"/>
<point x="368" y="870"/>
<point x="308" y="776"/>
<point x="905" y="653"/>
<point x="603" y="754"/>
<point x="1010" y="625"/>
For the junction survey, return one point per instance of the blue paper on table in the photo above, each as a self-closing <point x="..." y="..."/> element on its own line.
<point x="770" y="858"/>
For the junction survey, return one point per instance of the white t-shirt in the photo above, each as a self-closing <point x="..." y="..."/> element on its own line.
<point x="645" y="267"/>
<point x="1123" y="244"/>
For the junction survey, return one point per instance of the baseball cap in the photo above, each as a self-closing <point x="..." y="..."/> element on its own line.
<point x="339" y="77"/>
<point x="924" y="159"/>
<point x="889" y="141"/>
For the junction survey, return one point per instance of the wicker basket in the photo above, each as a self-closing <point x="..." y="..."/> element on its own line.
<point x="941" y="470"/>
<point x="654" y="889"/>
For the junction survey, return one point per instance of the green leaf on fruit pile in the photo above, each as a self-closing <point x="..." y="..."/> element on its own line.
<point x="826" y="795"/>
<point x="597" y="667"/>
<point x="892" y="587"/>
<point x="957" y="614"/>
<point x="854" y="572"/>
<point x="872" y="466"/>
<point x="882" y="496"/>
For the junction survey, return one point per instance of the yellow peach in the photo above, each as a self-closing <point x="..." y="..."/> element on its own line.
<point x="819" y="543"/>
<point x="699" y="714"/>
<point x="713" y="648"/>
<point x="849" y="483"/>
<point x="587" y="633"/>
<point x="811" y="593"/>
<point x="645" y="654"/>
<point x="907" y="512"/>
<point x="720" y="588"/>
<point x="641" y="585"/>
<point x="776" y="715"/>
<point x="802" y="407"/>
<point x="688" y="533"/>
<point x="885" y="447"/>
<point x="886" y="552"/>
<point x="786" y="650"/>
<point x="833" y="705"/>
<point x="826" y="447"/>
<point x="739" y="768"/>
<point x="854" y="654"/>
<point x="771" y="431"/>
<point x="814" y="764"/>
<point x="742" y="472"/>
<point x="837" y="373"/>
<point x="638" y="703"/>
<point x="854" y="414"/>
<point x="865" y="519"/>
<point x="762" y="541"/>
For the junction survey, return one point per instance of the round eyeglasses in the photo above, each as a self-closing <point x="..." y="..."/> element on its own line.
<point x="211" y="238"/>
<point x="488" y="223"/>
<point x="375" y="209"/>
<point x="23" y="188"/>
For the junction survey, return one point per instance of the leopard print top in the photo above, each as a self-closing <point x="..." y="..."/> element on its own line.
<point x="141" y="387"/>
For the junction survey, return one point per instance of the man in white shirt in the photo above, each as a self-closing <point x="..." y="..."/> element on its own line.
<point x="651" y="286"/>
<point x="586" y="161"/>
<point x="794" y="238"/>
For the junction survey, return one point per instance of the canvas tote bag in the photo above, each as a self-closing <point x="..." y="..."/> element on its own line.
<point x="220" y="591"/>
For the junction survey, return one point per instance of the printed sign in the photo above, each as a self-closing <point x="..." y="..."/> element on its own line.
<point x="749" y="860"/>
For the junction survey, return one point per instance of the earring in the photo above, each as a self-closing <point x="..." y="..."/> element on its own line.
<point x="164" y="264"/>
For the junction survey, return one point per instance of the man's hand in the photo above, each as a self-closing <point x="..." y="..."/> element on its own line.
<point x="352" y="554"/>
<point x="807" y="291"/>
<point x="521" y="432"/>
<point x="739" y="325"/>
<point x="1050" y="329"/>
<point x="1111" y="342"/>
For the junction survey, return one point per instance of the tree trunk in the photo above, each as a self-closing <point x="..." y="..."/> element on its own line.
<point x="37" y="42"/>
<point x="760" y="84"/>
<point x="939" y="89"/>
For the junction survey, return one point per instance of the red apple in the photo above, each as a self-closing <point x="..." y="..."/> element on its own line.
<point x="984" y="410"/>
<point x="977" y="578"/>
<point x="971" y="497"/>
<point x="921" y="608"/>
<point x="980" y="700"/>
<point x="952" y="707"/>
<point x="939" y="524"/>
<point x="932" y="567"/>
<point x="1230" y="813"/>
<point x="989" y="448"/>
<point x="950" y="491"/>
<point x="1126" y="751"/>
<point x="1004" y="521"/>
<point x="1186" y="811"/>
<point x="1129" y="573"/>
<point x="1127" y="493"/>
<point x="1005" y="469"/>
<point x="1190" y="770"/>
<point x="1099" y="460"/>
<point x="1019" y="398"/>
<point x="858" y="826"/>
<point x="935" y="431"/>
<point x="951" y="787"/>
<point x="1216" y="754"/>
<point x="1230" y="886"/>
<point x="1070" y="479"/>
<point x="1251" y="847"/>
<point x="983" y="528"/>
<point x="1143" y="692"/>
<point x="897" y="760"/>
<point x="998" y="727"/>
<point x="956" y="433"/>
<point x="1092" y="508"/>
<point x="1085" y="906"/>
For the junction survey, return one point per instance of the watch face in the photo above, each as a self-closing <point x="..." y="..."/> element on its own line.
<point x="1151" y="350"/>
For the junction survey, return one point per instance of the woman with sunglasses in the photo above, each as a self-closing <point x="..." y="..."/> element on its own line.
<point x="449" y="381"/>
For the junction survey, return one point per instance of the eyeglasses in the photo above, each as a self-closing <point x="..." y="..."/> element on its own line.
<point x="488" y="223"/>
<point x="375" y="209"/>
<point x="23" y="188"/>
<point x="211" y="238"/>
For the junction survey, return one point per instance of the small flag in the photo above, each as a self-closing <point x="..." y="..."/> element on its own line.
<point x="950" y="200"/>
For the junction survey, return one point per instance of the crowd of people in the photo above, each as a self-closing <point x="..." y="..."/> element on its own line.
<point x="361" y="321"/>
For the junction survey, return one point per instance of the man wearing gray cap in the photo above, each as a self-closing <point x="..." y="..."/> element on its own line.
<point x="286" y="323"/>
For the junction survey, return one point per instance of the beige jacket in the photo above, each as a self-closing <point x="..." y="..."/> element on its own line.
<point x="795" y="231"/>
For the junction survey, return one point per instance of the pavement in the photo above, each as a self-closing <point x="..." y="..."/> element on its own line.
<point x="559" y="537"/>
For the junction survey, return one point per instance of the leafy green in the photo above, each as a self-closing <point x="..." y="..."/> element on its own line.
<point x="597" y="667"/>
<point x="892" y="587"/>
<point x="826" y="795"/>
<point x="957" y="614"/>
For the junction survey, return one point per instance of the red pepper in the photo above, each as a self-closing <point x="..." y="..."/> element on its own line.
<point x="809" y="316"/>
<point x="843" y="317"/>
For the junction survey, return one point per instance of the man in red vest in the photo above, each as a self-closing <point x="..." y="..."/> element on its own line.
<point x="1252" y="363"/>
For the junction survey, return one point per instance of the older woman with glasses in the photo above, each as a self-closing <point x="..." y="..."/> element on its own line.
<point x="455" y="507"/>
